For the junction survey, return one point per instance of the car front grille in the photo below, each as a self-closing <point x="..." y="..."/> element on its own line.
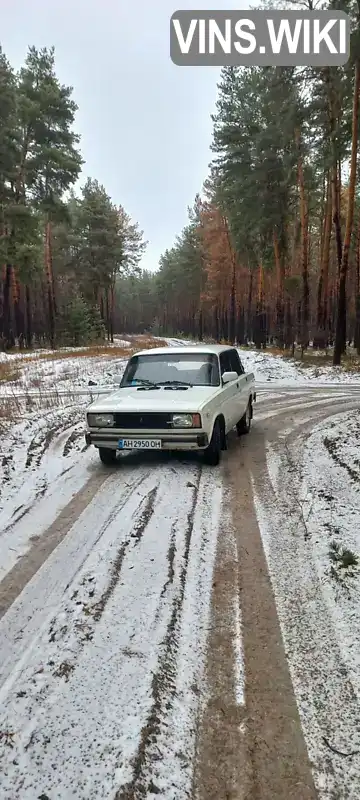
<point x="132" y="420"/>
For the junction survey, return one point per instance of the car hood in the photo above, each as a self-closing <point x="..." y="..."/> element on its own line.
<point x="130" y="399"/>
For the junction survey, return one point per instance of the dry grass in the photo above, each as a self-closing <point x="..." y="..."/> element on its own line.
<point x="9" y="372"/>
<point x="11" y="410"/>
<point x="93" y="351"/>
<point x="15" y="409"/>
<point x="349" y="362"/>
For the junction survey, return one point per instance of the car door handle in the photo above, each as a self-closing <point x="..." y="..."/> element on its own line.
<point x="237" y="385"/>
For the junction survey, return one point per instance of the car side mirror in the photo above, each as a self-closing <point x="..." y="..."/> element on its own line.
<point x="229" y="376"/>
<point x="117" y="379"/>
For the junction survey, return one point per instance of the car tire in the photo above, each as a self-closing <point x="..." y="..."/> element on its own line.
<point x="244" y="425"/>
<point x="107" y="456"/>
<point x="212" y="454"/>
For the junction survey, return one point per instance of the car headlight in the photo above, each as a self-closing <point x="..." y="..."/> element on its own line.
<point x="100" y="420"/>
<point x="186" y="420"/>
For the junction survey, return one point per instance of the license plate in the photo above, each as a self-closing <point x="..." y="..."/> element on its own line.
<point x="139" y="444"/>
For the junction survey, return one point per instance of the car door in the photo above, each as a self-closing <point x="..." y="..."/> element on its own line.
<point x="229" y="392"/>
<point x="241" y="398"/>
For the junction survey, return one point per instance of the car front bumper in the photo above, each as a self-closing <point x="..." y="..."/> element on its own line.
<point x="174" y="440"/>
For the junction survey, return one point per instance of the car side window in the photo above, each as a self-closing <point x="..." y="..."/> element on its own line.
<point x="236" y="365"/>
<point x="225" y="362"/>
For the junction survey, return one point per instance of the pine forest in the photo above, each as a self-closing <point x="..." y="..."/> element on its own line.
<point x="271" y="250"/>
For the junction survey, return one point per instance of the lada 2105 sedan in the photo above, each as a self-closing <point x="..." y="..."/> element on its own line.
<point x="174" y="398"/>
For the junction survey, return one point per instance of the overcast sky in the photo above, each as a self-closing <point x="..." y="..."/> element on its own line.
<point x="144" y="123"/>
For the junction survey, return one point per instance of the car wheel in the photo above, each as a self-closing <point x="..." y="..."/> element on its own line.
<point x="245" y="423"/>
<point x="107" y="456"/>
<point x="212" y="454"/>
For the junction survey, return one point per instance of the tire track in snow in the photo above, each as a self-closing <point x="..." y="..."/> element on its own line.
<point x="24" y="598"/>
<point x="221" y="769"/>
<point x="72" y="441"/>
<point x="39" y="458"/>
<point x="171" y="558"/>
<point x="145" y="514"/>
<point x="326" y="691"/>
<point x="43" y="438"/>
<point x="145" y="598"/>
<point x="93" y="610"/>
<point x="164" y="761"/>
<point x="239" y="749"/>
<point x="163" y="680"/>
<point x="116" y="666"/>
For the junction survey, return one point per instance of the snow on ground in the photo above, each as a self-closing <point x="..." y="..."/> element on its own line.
<point x="132" y="609"/>
<point x="308" y="511"/>
<point x="37" y="467"/>
<point x="330" y="498"/>
<point x="119" y="610"/>
<point x="44" y="462"/>
<point x="284" y="371"/>
<point x="43" y="458"/>
<point x="63" y="374"/>
<point x="32" y="373"/>
<point x="75" y="621"/>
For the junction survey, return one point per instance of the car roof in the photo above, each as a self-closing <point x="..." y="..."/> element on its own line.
<point x="214" y="349"/>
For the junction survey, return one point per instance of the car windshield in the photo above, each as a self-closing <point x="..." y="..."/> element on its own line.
<point x="189" y="369"/>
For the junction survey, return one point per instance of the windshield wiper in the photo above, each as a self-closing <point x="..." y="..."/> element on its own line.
<point x="142" y="382"/>
<point x="174" y="383"/>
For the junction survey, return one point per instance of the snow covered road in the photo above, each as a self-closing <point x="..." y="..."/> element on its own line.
<point x="163" y="635"/>
<point x="107" y="631"/>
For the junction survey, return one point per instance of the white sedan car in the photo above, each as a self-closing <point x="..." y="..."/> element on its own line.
<point x="174" y="398"/>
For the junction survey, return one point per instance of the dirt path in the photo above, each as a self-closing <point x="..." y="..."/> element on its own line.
<point x="151" y="594"/>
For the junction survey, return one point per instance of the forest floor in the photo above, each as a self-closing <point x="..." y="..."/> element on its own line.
<point x="168" y="629"/>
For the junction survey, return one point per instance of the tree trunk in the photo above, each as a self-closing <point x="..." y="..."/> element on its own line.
<point x="340" y="339"/>
<point x="260" y="323"/>
<point x="232" y="309"/>
<point x="280" y="278"/>
<point x="49" y="285"/>
<point x="217" y="324"/>
<point x="323" y="285"/>
<point x="200" y="325"/>
<point x="111" y="320"/>
<point x="289" y="334"/>
<point x="8" y="338"/>
<point x="18" y="317"/>
<point x="107" y="315"/>
<point x="249" y="331"/>
<point x="240" y="326"/>
<point x="28" y="317"/>
<point x="304" y="249"/>
<point x="357" y="292"/>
